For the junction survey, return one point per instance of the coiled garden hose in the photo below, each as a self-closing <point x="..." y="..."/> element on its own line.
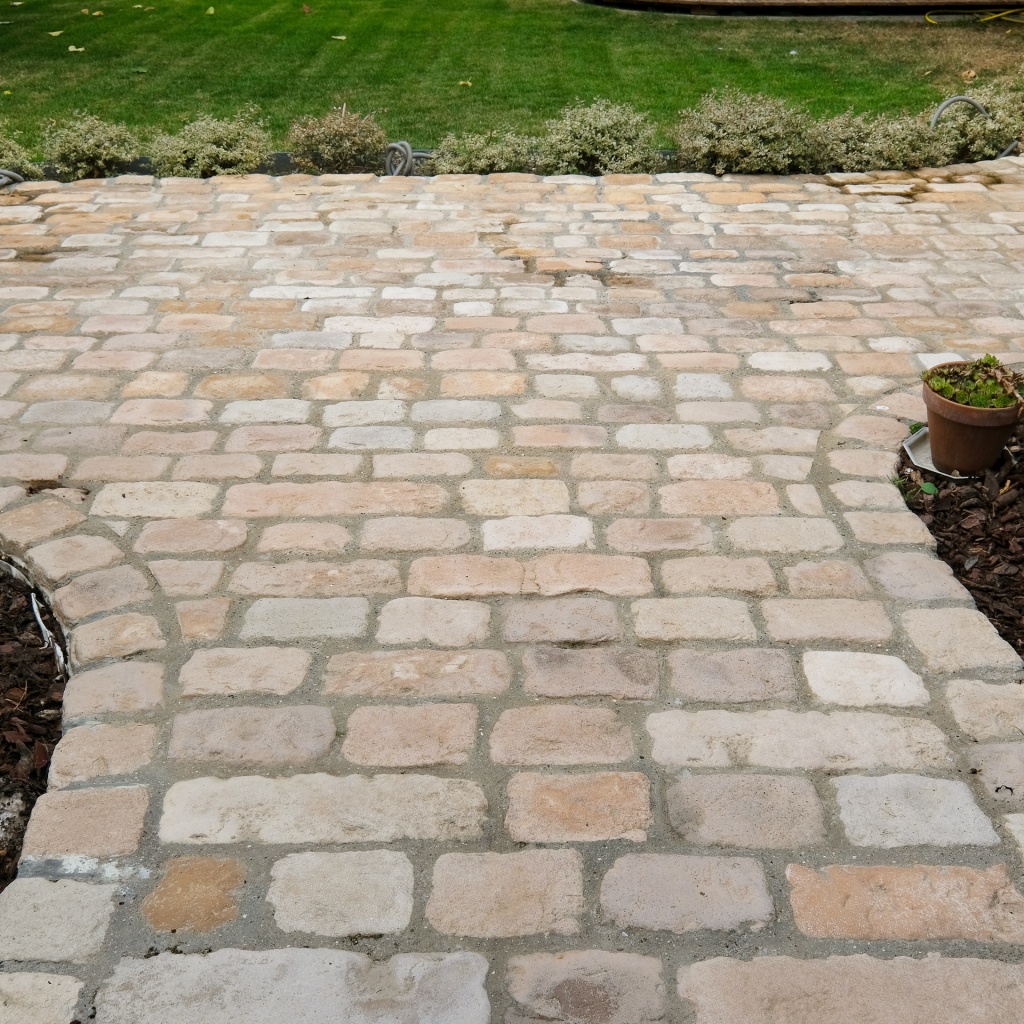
<point x="400" y="159"/>
<point x="946" y="104"/>
<point x="9" y="178"/>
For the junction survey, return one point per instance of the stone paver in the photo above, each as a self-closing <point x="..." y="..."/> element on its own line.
<point x="487" y="601"/>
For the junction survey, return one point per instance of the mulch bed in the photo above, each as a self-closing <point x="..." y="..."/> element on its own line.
<point x="979" y="527"/>
<point x="31" y="694"/>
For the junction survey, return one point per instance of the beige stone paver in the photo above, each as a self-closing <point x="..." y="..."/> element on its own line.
<point x="487" y="601"/>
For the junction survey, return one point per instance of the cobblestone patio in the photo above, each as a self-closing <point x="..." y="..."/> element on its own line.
<point x="488" y="601"/>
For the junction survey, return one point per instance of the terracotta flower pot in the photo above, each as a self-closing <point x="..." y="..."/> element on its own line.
<point x="965" y="439"/>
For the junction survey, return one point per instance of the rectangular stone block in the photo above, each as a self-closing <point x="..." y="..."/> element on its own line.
<point x="155" y="500"/>
<point x="560" y="620"/>
<point x="322" y="809"/>
<point x="409" y="620"/>
<point x="410" y="737"/>
<point x="336" y="894"/>
<point x="705" y="574"/>
<point x="591" y="807"/>
<point x="86" y="822"/>
<point x="732" y="677"/>
<point x="718" y="498"/>
<point x="297" y="985"/>
<point x="623" y="673"/>
<point x="755" y="811"/>
<point x="332" y="498"/>
<point x="987" y="711"/>
<point x="53" y="921"/>
<point x="126" y="688"/>
<point x="811" y="740"/>
<point x="889" y="811"/>
<point x="560" y="734"/>
<point x="501" y="895"/>
<point x="28" y="997"/>
<point x="957" y="639"/>
<point x="226" y="670"/>
<point x="852" y="990"/>
<point x="570" y="986"/>
<point x="93" y="751"/>
<point x="829" y="618"/>
<point x="650" y="535"/>
<point x="616" y="575"/>
<point x="316" y="579"/>
<point x="259" y="736"/>
<point x="916" y="902"/>
<point x="693" y="618"/>
<point x="667" y="892"/>
<point x="418" y="673"/>
<point x="306" y="618"/>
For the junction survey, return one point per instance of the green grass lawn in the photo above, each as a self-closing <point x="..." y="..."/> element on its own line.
<point x="164" y="61"/>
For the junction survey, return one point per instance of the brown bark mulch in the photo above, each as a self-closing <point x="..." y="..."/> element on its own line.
<point x="979" y="527"/>
<point x="31" y="694"/>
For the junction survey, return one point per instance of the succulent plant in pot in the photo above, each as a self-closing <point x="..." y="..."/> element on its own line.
<point x="973" y="408"/>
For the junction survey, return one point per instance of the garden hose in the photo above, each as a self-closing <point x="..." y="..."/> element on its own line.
<point x="400" y="159"/>
<point x="945" y="104"/>
<point x="9" y="178"/>
<point x="1011" y="14"/>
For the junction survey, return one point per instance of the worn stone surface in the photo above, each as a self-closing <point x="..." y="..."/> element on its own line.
<point x="410" y="736"/>
<point x="563" y="502"/>
<point x="257" y="736"/>
<point x="776" y="812"/>
<point x="296" y="985"/>
<point x="54" y="921"/>
<point x="578" y="808"/>
<point x="586" y="986"/>
<point x="195" y="894"/>
<point x="916" y="902"/>
<point x="908" y="810"/>
<point x="365" y="893"/>
<point x="680" y="894"/>
<point x="93" y="822"/>
<point x="321" y="809"/>
<point x="35" y="998"/>
<point x="499" y="895"/>
<point x="851" y="989"/>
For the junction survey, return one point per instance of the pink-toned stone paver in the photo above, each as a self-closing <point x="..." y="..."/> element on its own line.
<point x="487" y="601"/>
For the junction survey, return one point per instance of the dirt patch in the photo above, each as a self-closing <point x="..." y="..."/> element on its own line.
<point x="979" y="528"/>
<point x="31" y="695"/>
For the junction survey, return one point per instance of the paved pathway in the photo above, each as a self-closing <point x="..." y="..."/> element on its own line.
<point x="501" y="580"/>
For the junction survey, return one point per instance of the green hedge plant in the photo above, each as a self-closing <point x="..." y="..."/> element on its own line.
<point x="210" y="145"/>
<point x="599" y="138"/>
<point x="501" y="149"/>
<point x="89" y="147"/>
<point x="340" y="142"/>
<point x="14" y="156"/>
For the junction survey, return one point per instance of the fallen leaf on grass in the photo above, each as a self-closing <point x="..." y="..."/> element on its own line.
<point x="76" y="49"/>
<point x="97" y="14"/>
<point x="465" y="83"/>
<point x="209" y="10"/>
<point x="339" y="37"/>
<point x="60" y="33"/>
<point x="306" y="9"/>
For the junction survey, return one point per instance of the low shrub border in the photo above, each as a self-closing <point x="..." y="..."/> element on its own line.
<point x="727" y="133"/>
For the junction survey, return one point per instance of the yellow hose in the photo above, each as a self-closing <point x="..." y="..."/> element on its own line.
<point x="1011" y="15"/>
